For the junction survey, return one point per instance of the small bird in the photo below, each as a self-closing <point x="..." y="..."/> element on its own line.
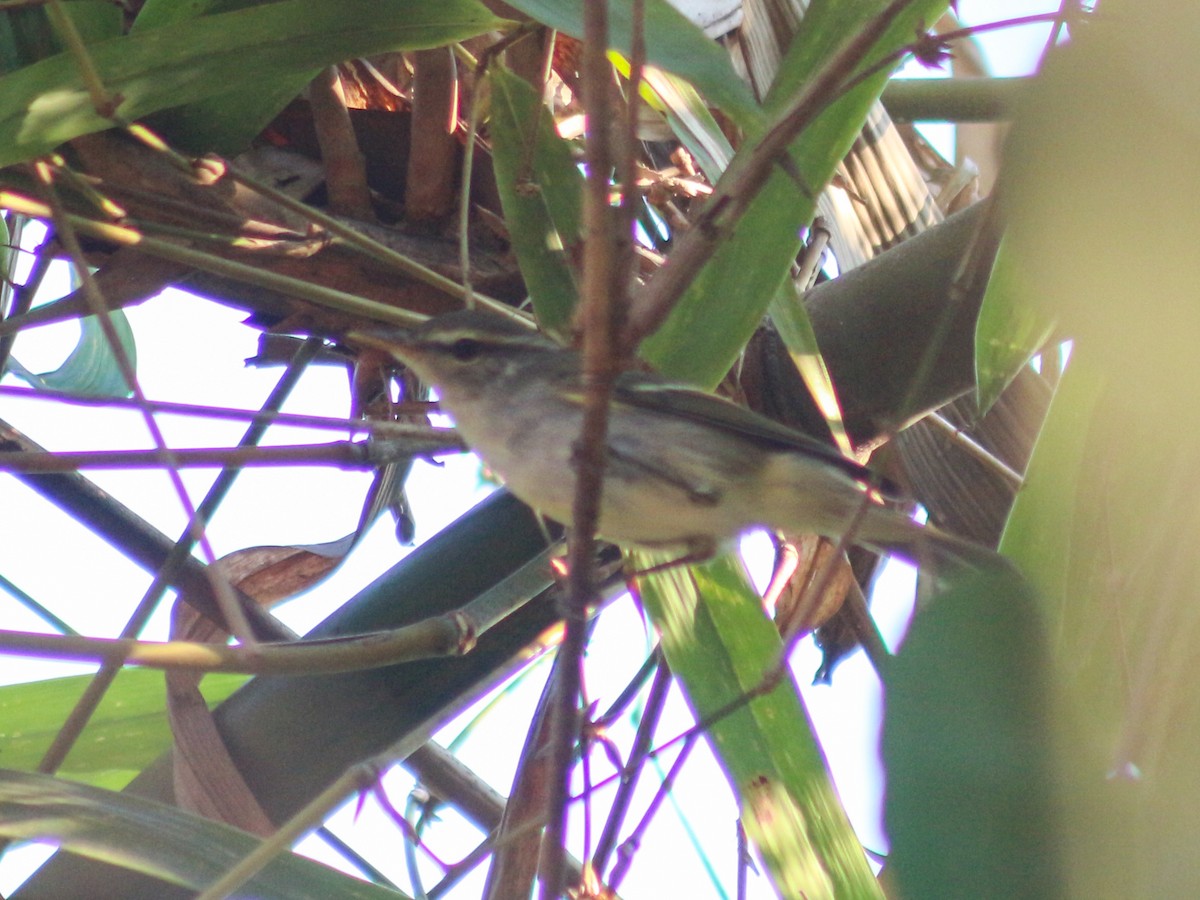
<point x="684" y="469"/>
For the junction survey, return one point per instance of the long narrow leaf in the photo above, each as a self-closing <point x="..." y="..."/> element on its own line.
<point x="158" y="840"/>
<point x="127" y="732"/>
<point x="732" y="291"/>
<point x="541" y="190"/>
<point x="809" y="847"/>
<point x="44" y="104"/>
<point x="719" y="643"/>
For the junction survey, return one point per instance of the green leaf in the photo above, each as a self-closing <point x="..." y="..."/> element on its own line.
<point x="795" y="328"/>
<point x="721" y="645"/>
<point x="127" y="732"/>
<point x="721" y="641"/>
<point x="673" y="43"/>
<point x="541" y="190"/>
<point x="1010" y="330"/>
<point x="156" y="13"/>
<point x="91" y="368"/>
<point x="96" y="20"/>
<point x="732" y="291"/>
<point x="6" y="266"/>
<point x="44" y="104"/>
<point x="226" y="122"/>
<point x="971" y="804"/>
<point x="1108" y="243"/>
<point x="159" y="840"/>
<point x="699" y="132"/>
<point x="26" y="35"/>
<point x="687" y="115"/>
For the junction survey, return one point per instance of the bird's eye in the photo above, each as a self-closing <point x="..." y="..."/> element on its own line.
<point x="465" y="349"/>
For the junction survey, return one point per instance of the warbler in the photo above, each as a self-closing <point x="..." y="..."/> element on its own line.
<point x="684" y="469"/>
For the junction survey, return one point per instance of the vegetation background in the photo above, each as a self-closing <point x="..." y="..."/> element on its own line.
<point x="305" y="167"/>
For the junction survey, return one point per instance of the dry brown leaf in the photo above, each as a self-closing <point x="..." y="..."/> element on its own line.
<point x="797" y="608"/>
<point x="270" y="574"/>
<point x="206" y="781"/>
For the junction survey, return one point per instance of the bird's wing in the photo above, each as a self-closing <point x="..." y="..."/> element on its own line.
<point x="665" y="397"/>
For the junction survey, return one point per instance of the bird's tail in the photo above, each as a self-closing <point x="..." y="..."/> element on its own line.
<point x="929" y="548"/>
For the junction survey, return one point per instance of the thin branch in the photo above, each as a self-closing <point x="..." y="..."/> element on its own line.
<point x="143" y="544"/>
<point x="429" y="187"/>
<point x="358" y="778"/>
<point x="31" y="604"/>
<point x="453" y="633"/>
<point x="1068" y="12"/>
<point x="366" y="245"/>
<point x="225" y="598"/>
<point x="631" y="690"/>
<point x="517" y="842"/>
<point x="353" y="237"/>
<point x="977" y="450"/>
<point x="469" y="295"/>
<point x="603" y="301"/>
<point x="631" y="844"/>
<point x="459" y="870"/>
<point x="733" y="194"/>
<point x="1055" y="18"/>
<point x="930" y="48"/>
<point x="22" y="295"/>
<point x="630" y="773"/>
<point x="954" y="99"/>
<point x="104" y="102"/>
<point x="339" y="301"/>
<point x="744" y="862"/>
<point x="422" y="441"/>
<point x="440" y="636"/>
<point x="235" y="618"/>
<point x="278" y="419"/>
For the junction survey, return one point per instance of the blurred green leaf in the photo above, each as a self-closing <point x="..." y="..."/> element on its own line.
<point x="541" y="190"/>
<point x="159" y="840"/>
<point x="156" y="13"/>
<point x="1102" y="216"/>
<point x="238" y="52"/>
<point x="95" y="20"/>
<point x="91" y="368"/>
<point x="127" y="732"/>
<point x="971" y="805"/>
